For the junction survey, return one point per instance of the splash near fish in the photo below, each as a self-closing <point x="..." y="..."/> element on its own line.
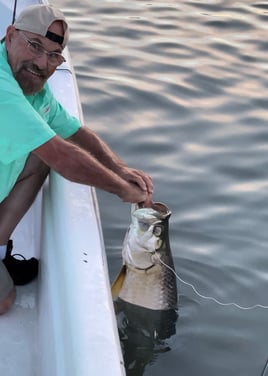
<point x="147" y="276"/>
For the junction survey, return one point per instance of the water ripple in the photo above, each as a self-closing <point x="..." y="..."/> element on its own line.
<point x="180" y="89"/>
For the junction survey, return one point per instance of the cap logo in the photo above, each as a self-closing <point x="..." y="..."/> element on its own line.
<point x="54" y="37"/>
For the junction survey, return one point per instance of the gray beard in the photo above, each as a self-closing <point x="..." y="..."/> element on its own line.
<point x="30" y="86"/>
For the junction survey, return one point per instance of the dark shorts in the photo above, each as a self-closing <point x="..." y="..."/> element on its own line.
<point x="6" y="283"/>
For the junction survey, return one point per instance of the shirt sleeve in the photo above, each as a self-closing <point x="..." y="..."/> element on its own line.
<point x="58" y="118"/>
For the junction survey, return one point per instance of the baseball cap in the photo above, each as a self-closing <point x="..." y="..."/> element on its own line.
<point x="38" y="18"/>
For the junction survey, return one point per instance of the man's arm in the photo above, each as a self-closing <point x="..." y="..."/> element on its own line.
<point x="80" y="166"/>
<point x="90" y="141"/>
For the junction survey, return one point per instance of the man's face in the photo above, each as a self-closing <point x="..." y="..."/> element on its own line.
<point x="31" y="71"/>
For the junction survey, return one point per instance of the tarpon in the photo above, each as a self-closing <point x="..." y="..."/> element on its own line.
<point x="145" y="291"/>
<point x="147" y="277"/>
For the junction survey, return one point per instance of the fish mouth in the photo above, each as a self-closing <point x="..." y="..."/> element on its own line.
<point x="162" y="209"/>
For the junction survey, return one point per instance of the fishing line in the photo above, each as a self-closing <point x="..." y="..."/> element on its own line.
<point x="209" y="297"/>
<point x="215" y="300"/>
<point x="265" y="368"/>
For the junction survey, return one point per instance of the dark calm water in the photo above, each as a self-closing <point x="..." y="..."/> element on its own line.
<point x="180" y="89"/>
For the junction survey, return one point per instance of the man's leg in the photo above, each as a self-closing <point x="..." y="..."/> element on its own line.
<point x="6" y="303"/>
<point x="12" y="209"/>
<point x="7" y="290"/>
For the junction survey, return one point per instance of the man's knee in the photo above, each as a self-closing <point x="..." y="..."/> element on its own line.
<point x="6" y="303"/>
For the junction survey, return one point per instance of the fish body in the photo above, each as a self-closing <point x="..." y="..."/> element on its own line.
<point x="144" y="334"/>
<point x="147" y="278"/>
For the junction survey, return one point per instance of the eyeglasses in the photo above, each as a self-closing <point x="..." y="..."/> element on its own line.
<point x="36" y="49"/>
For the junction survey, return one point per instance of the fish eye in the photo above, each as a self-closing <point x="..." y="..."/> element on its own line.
<point x="157" y="230"/>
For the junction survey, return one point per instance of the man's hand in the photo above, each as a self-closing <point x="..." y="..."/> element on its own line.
<point x="140" y="179"/>
<point x="131" y="192"/>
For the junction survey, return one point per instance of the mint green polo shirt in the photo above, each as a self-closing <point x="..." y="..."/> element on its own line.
<point x="26" y="122"/>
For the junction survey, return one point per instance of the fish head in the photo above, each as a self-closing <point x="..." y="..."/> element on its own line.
<point x="145" y="235"/>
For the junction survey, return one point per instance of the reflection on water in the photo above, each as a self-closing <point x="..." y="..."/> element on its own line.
<point x="180" y="89"/>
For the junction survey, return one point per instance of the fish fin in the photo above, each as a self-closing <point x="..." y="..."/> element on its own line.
<point x="118" y="282"/>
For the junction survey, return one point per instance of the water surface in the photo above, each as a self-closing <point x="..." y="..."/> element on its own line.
<point x="179" y="89"/>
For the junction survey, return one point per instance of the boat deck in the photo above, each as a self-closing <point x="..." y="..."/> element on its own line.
<point x="18" y="335"/>
<point x="18" y="327"/>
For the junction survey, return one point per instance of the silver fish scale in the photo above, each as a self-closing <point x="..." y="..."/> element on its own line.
<point x="154" y="288"/>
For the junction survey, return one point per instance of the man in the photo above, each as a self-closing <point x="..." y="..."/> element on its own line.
<point x="37" y="134"/>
